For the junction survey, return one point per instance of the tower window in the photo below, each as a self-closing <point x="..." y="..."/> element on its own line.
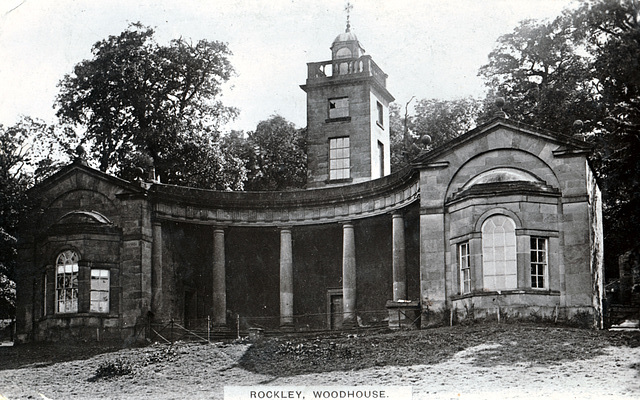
<point x="343" y="53"/>
<point x="67" y="282"/>
<point x="380" y="119"/>
<point x="339" y="108"/>
<point x="381" y="158"/>
<point x="339" y="158"/>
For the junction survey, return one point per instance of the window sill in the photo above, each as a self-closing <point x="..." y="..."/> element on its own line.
<point x="545" y="292"/>
<point x="336" y="181"/>
<point x="79" y="315"/>
<point x="340" y="119"/>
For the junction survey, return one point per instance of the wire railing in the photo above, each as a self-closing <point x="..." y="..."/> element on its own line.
<point x="241" y="326"/>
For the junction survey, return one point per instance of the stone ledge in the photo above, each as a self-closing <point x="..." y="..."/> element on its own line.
<point x="505" y="293"/>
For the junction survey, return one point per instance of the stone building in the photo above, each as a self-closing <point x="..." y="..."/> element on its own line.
<point x="502" y="222"/>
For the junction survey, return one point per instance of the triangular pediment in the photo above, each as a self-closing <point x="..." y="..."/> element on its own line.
<point x="563" y="144"/>
<point x="78" y="176"/>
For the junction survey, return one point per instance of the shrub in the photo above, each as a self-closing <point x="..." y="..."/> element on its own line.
<point x="113" y="369"/>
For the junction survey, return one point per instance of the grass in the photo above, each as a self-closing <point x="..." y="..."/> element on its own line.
<point x="506" y="344"/>
<point x="530" y="344"/>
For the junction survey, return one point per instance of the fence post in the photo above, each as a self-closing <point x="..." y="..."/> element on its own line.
<point x="209" y="328"/>
<point x="238" y="326"/>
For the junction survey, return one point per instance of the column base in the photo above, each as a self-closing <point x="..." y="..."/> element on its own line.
<point x="287" y="327"/>
<point x="349" y="323"/>
<point x="404" y="314"/>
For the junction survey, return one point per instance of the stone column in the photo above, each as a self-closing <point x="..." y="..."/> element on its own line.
<point x="286" y="279"/>
<point x="156" y="271"/>
<point x="348" y="275"/>
<point x="399" y="259"/>
<point x="219" y="286"/>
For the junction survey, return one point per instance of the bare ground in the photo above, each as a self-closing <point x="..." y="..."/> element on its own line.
<point x="462" y="362"/>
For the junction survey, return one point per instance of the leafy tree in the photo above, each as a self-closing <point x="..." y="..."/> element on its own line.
<point x="583" y="65"/>
<point x="433" y="123"/>
<point x="444" y="120"/>
<point x="136" y="98"/>
<point x="398" y="146"/>
<point x="537" y="70"/>
<point x="276" y="154"/>
<point x="211" y="167"/>
<point x="610" y="32"/>
<point x="27" y="154"/>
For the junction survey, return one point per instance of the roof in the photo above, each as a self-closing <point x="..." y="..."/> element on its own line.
<point x="568" y="144"/>
<point x="345" y="37"/>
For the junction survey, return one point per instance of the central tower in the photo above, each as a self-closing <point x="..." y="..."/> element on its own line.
<point x="347" y="116"/>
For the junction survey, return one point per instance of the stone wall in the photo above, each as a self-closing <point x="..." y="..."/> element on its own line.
<point x="84" y="212"/>
<point x="550" y="201"/>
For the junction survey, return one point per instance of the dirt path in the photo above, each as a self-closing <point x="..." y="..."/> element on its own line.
<point x="202" y="371"/>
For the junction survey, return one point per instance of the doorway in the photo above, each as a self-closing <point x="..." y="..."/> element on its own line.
<point x="190" y="308"/>
<point x="335" y="309"/>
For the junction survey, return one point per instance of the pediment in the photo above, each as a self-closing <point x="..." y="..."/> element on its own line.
<point x="504" y="133"/>
<point x="84" y="217"/>
<point x="78" y="176"/>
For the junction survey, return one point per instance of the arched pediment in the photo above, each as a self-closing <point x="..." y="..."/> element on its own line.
<point x="501" y="175"/>
<point x="84" y="217"/>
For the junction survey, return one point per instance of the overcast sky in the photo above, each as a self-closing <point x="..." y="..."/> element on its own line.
<point x="429" y="48"/>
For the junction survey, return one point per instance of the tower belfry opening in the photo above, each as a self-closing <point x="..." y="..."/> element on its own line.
<point x="347" y="115"/>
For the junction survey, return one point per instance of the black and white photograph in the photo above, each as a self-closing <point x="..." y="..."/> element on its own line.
<point x="303" y="199"/>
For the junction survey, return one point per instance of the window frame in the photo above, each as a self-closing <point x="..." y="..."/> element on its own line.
<point x="464" y="267"/>
<point x="380" y="114"/>
<point x="70" y="282"/>
<point x="338" y="113"/>
<point x="106" y="298"/>
<point x="539" y="259"/>
<point x="499" y="250"/>
<point x="381" y="158"/>
<point x="339" y="163"/>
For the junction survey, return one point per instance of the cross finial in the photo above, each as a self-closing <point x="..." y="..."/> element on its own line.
<point x="348" y="9"/>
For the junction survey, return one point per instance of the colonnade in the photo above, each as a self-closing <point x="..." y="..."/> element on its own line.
<point x="349" y="272"/>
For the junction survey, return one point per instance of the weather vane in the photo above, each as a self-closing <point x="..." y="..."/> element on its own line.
<point x="348" y="9"/>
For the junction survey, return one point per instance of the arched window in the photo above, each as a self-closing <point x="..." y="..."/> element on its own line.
<point x="67" y="282"/>
<point x="344" y="53"/>
<point x="499" y="266"/>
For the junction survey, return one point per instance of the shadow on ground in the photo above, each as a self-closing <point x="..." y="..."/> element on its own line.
<point x="535" y="345"/>
<point x="34" y="355"/>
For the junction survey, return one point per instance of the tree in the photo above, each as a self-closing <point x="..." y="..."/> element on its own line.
<point x="610" y="32"/>
<point x="276" y="155"/>
<point x="537" y="70"/>
<point x="444" y="120"/>
<point x="27" y="154"/>
<point x="583" y="66"/>
<point x="136" y="99"/>
<point x="437" y="121"/>
<point x="209" y="166"/>
<point x="398" y="142"/>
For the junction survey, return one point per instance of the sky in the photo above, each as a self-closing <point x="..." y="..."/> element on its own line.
<point x="428" y="48"/>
